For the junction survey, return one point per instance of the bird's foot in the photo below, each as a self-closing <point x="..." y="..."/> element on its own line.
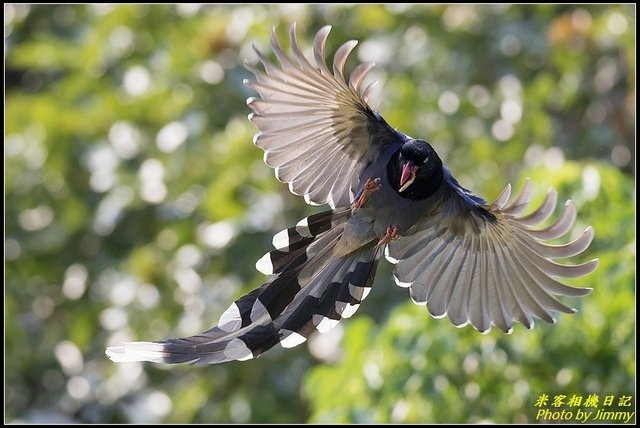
<point x="391" y="235"/>
<point x="370" y="186"/>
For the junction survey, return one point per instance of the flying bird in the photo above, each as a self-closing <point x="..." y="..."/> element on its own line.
<point x="479" y="263"/>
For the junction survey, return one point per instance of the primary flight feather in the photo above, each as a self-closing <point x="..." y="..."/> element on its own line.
<point x="477" y="263"/>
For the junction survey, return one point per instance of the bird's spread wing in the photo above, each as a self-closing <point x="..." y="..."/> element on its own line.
<point x="490" y="265"/>
<point x="315" y="126"/>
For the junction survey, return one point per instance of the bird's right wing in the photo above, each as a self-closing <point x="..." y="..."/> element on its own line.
<point x="488" y="264"/>
<point x="315" y="127"/>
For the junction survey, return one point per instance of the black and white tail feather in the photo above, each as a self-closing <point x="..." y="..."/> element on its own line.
<point x="309" y="289"/>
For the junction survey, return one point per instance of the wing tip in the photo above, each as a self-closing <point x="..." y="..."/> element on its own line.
<point x="351" y="44"/>
<point x="326" y="28"/>
<point x="583" y="291"/>
<point x="589" y="267"/>
<point x="459" y="324"/>
<point x="402" y="284"/>
<point x="391" y="260"/>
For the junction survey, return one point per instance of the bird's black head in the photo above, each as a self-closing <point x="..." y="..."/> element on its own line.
<point x="415" y="170"/>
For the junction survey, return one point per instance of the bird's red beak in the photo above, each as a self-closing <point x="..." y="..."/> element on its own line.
<point x="407" y="176"/>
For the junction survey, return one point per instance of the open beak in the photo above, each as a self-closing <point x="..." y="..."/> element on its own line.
<point x="407" y="176"/>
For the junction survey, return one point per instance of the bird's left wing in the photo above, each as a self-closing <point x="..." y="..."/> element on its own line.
<point x="315" y="126"/>
<point x="488" y="264"/>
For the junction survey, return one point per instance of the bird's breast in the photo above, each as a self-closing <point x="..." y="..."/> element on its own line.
<point x="387" y="208"/>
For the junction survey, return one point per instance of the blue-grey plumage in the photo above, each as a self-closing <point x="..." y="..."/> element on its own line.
<point x="389" y="206"/>
<point x="477" y="263"/>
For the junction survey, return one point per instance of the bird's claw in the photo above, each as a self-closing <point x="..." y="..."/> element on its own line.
<point x="391" y="235"/>
<point x="370" y="186"/>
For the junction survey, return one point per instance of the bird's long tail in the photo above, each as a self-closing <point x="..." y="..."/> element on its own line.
<point x="310" y="288"/>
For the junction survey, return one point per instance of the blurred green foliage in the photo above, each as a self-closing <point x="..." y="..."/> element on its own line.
<point x="136" y="206"/>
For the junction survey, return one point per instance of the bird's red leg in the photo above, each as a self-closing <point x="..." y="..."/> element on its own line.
<point x="391" y="235"/>
<point x="370" y="186"/>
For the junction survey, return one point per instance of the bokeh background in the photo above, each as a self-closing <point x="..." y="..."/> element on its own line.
<point x="136" y="206"/>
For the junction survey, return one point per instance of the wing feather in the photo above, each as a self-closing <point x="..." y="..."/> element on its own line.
<point x="516" y="302"/>
<point x="315" y="125"/>
<point x="498" y="307"/>
<point x="440" y="295"/>
<point x="564" y="223"/>
<point x="543" y="212"/>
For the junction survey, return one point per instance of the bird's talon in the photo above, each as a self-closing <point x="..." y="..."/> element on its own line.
<point x="390" y="235"/>
<point x="370" y="186"/>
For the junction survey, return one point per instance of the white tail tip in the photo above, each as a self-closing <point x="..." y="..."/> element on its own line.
<point x="137" y="351"/>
